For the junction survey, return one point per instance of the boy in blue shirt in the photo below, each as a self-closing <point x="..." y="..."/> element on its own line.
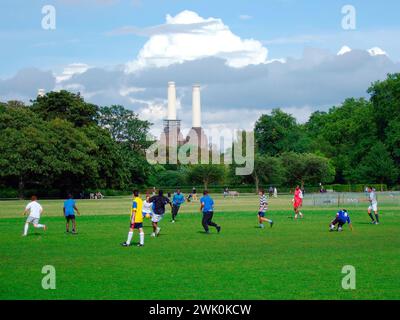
<point x="177" y="201"/>
<point x="207" y="208"/>
<point x="69" y="213"/>
<point x="342" y="217"/>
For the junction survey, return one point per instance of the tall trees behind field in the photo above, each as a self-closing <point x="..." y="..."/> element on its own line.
<point x="60" y="142"/>
<point x="356" y="142"/>
<point x="63" y="143"/>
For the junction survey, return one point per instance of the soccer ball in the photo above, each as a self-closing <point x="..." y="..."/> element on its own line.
<point x="148" y="215"/>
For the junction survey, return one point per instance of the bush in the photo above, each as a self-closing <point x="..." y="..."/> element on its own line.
<point x="8" y="193"/>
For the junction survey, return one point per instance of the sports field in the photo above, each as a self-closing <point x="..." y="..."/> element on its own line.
<point x="293" y="260"/>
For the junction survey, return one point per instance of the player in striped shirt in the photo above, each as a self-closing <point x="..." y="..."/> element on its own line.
<point x="263" y="209"/>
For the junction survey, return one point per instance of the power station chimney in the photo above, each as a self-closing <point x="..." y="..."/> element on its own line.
<point x="41" y="93"/>
<point x="171" y="101"/>
<point x="196" y="106"/>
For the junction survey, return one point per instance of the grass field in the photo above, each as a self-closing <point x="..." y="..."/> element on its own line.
<point x="293" y="260"/>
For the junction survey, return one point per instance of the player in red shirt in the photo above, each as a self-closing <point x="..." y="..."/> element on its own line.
<point x="298" y="202"/>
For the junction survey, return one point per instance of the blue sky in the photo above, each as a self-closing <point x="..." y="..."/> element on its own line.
<point x="82" y="27"/>
<point x="248" y="56"/>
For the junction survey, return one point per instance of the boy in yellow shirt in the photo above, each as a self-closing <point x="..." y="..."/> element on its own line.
<point x="136" y="220"/>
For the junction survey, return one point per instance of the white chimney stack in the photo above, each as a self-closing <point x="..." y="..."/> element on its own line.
<point x="196" y="107"/>
<point x="41" y="93"/>
<point x="171" y="101"/>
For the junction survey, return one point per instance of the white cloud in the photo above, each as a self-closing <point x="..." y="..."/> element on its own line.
<point x="376" y="51"/>
<point x="245" y="17"/>
<point x="188" y="37"/>
<point x="344" y="50"/>
<point x="70" y="70"/>
<point x="126" y="91"/>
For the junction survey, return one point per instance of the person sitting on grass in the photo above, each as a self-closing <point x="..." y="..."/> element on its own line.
<point x="342" y="217"/>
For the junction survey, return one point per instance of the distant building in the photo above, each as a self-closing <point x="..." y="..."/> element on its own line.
<point x="41" y="93"/>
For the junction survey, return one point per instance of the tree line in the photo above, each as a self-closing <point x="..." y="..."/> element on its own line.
<point x="60" y="143"/>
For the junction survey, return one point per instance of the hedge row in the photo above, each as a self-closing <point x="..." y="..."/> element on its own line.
<point x="7" y="193"/>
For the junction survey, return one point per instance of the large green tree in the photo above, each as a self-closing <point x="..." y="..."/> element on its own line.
<point x="206" y="174"/>
<point x="377" y="166"/>
<point x="65" y="105"/>
<point x="278" y="133"/>
<point x="267" y="170"/>
<point x="125" y="126"/>
<point x="343" y="135"/>
<point x="307" y="168"/>
<point x="38" y="153"/>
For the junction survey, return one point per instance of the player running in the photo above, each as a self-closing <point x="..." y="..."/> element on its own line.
<point x="69" y="213"/>
<point x="159" y="203"/>
<point x="35" y="210"/>
<point x="263" y="209"/>
<point x="373" y="206"/>
<point x="136" y="220"/>
<point x="297" y="203"/>
<point x="342" y="217"/>
<point x="177" y="201"/>
<point x="207" y="207"/>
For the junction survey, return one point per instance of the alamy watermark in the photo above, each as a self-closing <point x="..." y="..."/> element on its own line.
<point x="49" y="20"/>
<point x="349" y="281"/>
<point x="49" y="280"/>
<point x="209" y="147"/>
<point x="349" y="21"/>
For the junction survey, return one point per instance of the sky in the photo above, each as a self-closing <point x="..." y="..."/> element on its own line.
<point x="248" y="56"/>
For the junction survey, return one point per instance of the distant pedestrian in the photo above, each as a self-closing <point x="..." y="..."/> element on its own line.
<point x="271" y="191"/>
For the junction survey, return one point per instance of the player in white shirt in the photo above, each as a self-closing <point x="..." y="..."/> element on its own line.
<point x="35" y="210"/>
<point x="373" y="206"/>
<point x="147" y="208"/>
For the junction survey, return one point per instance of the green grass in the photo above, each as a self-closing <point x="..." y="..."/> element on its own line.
<point x="294" y="260"/>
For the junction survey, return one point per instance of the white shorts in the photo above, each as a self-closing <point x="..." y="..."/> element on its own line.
<point x="157" y="218"/>
<point x="373" y="207"/>
<point x="146" y="213"/>
<point x="32" y="220"/>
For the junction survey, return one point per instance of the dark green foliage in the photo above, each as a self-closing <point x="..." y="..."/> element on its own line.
<point x="63" y="143"/>
<point x="56" y="144"/>
<point x="360" y="138"/>
<point x="206" y="174"/>
<point x="65" y="105"/>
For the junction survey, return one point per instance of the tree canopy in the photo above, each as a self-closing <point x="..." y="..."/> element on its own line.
<point x="61" y="142"/>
